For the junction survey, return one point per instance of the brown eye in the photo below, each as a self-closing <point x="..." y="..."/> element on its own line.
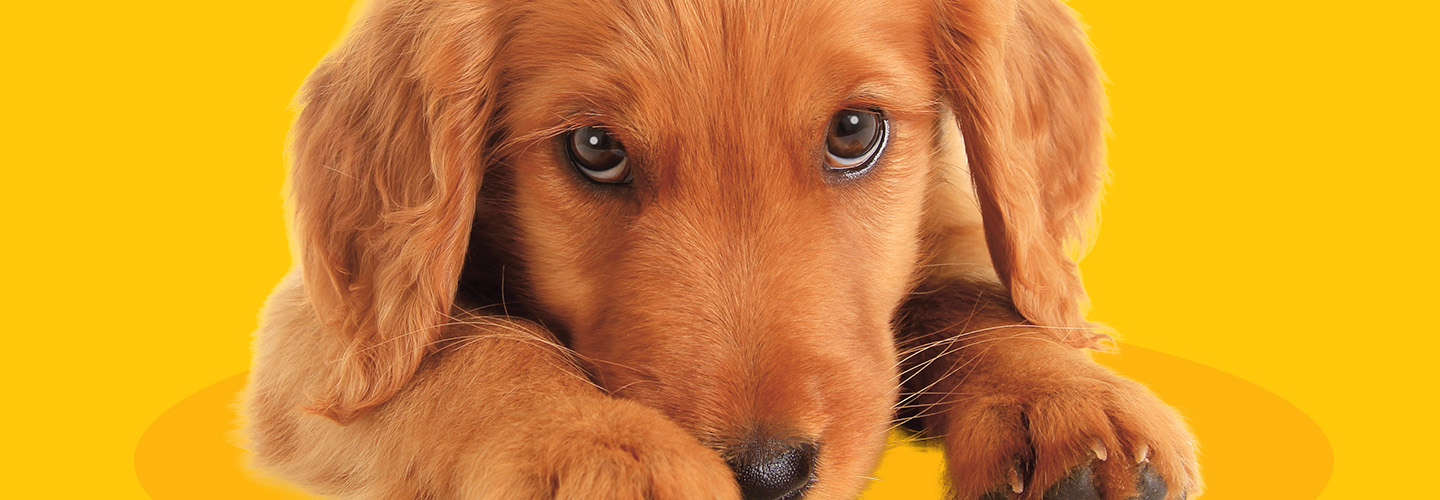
<point x="854" y="140"/>
<point x="598" y="155"/>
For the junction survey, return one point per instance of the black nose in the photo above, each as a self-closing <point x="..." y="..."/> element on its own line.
<point x="772" y="470"/>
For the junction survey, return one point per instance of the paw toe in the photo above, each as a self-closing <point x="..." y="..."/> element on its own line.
<point x="1078" y="485"/>
<point x="1150" y="485"/>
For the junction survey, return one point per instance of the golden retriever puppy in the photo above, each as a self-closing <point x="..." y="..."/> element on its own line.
<point x="698" y="249"/>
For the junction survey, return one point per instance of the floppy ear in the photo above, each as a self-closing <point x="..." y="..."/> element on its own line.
<point x="388" y="156"/>
<point x="1028" y="98"/>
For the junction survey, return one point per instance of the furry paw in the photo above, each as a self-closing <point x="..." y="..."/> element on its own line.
<point x="1067" y="430"/>
<point x="615" y="449"/>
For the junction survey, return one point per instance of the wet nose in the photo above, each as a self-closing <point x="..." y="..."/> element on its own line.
<point x="773" y="470"/>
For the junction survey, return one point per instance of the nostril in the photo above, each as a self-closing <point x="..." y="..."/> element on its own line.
<point x="772" y="470"/>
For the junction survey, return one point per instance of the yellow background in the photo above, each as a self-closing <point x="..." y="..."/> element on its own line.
<point x="1272" y="217"/>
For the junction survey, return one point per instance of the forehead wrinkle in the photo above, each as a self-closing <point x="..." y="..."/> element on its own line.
<point x="702" y="56"/>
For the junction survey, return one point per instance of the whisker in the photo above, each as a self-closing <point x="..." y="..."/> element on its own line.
<point x="948" y="396"/>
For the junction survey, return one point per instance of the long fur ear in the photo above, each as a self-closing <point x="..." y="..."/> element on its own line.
<point x="1028" y="96"/>
<point x="388" y="156"/>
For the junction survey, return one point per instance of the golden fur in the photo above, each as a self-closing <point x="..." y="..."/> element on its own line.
<point x="470" y="319"/>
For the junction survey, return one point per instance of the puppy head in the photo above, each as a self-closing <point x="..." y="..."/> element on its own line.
<point x="681" y="199"/>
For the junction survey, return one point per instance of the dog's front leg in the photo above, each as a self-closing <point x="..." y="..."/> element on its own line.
<point x="1022" y="415"/>
<point x="499" y="411"/>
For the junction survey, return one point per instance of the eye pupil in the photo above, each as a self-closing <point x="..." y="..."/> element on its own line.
<point x="598" y="154"/>
<point x="854" y="139"/>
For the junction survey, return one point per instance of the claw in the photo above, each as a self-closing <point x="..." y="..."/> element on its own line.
<point x="1143" y="454"/>
<point x="1015" y="484"/>
<point x="1099" y="450"/>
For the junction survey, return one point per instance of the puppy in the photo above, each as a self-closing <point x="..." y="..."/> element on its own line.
<point x="698" y="249"/>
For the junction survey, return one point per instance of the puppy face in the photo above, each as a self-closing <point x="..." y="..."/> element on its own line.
<point x="730" y="274"/>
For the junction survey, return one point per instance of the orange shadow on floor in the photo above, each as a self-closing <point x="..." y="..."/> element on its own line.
<point x="1254" y="444"/>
